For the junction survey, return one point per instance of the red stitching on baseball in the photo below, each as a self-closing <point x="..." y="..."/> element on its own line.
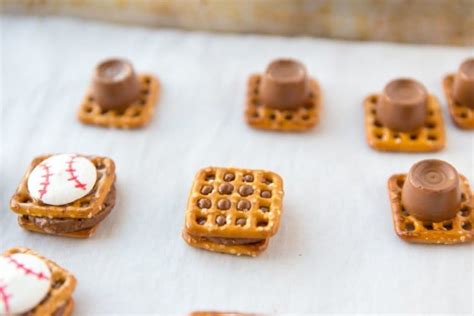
<point x="46" y="182"/>
<point x="5" y="297"/>
<point x="74" y="177"/>
<point x="28" y="271"/>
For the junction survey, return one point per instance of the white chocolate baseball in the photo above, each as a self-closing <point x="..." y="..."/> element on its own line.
<point x="62" y="179"/>
<point x="24" y="282"/>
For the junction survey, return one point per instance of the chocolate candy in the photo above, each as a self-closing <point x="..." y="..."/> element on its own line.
<point x="431" y="191"/>
<point x="245" y="190"/>
<point x="226" y="188"/>
<point x="285" y="85"/>
<point x="463" y="88"/>
<point x="403" y="105"/>
<point x="115" y="85"/>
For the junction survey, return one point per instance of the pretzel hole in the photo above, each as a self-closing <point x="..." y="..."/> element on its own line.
<point x="88" y="109"/>
<point x="221" y="220"/>
<point x="467" y="226"/>
<point x="255" y="114"/>
<point x="430" y="125"/>
<point x="456" y="103"/>
<point x="255" y="91"/>
<point x="266" y="194"/>
<point x="305" y="117"/>
<point x="432" y="137"/>
<point x="465" y="211"/>
<point x="309" y="105"/>
<point x="373" y="111"/>
<point x="58" y="283"/>
<point x="84" y="204"/>
<point x="145" y="91"/>
<point x="210" y="177"/>
<point x="254" y="101"/>
<point x="448" y="225"/>
<point x="262" y="223"/>
<point x="409" y="227"/>
<point x="463" y="115"/>
<point x="241" y="221"/>
<point x="404" y="212"/>
<point x="396" y="136"/>
<point x="207" y="189"/>
<point x="103" y="111"/>
<point x="25" y="199"/>
<point x="378" y="135"/>
<point x="248" y="177"/>
<point x="377" y="123"/>
<point x="463" y="197"/>
<point x="267" y="180"/>
<point x="142" y="101"/>
<point x="229" y="177"/>
<point x="90" y="99"/>
<point x="428" y="226"/>
<point x="201" y="220"/>
<point x="413" y="136"/>
<point x="288" y="117"/>
<point x="265" y="208"/>
<point x="430" y="112"/>
<point x="373" y="99"/>
<point x="272" y="117"/>
<point x="147" y="80"/>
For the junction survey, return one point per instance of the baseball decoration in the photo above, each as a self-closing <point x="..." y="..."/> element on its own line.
<point x="24" y="282"/>
<point x="62" y="179"/>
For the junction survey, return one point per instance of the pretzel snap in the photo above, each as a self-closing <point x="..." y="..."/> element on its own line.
<point x="233" y="210"/>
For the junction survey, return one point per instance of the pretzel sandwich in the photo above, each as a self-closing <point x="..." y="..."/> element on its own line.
<point x="58" y="297"/>
<point x="233" y="211"/>
<point x="78" y="216"/>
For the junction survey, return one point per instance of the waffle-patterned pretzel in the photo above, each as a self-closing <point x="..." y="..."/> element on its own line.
<point x="462" y="115"/>
<point x="261" y="221"/>
<point x="86" y="207"/>
<point x="136" y="115"/>
<point x="251" y="250"/>
<point x="63" y="284"/>
<point x="431" y="137"/>
<point x="260" y="116"/>
<point x="457" y="230"/>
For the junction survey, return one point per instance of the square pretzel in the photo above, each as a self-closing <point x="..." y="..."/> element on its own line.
<point x="429" y="138"/>
<point x="86" y="207"/>
<point x="260" y="220"/>
<point x="457" y="230"/>
<point x="461" y="114"/>
<point x="63" y="284"/>
<point x="136" y="115"/>
<point x="260" y="116"/>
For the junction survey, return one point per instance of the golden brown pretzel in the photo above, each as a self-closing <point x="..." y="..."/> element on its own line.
<point x="136" y="115"/>
<point x="457" y="230"/>
<point x="260" y="116"/>
<point x="462" y="115"/>
<point x="431" y="137"/>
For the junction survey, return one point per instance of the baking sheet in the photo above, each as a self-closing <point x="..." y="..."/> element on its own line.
<point x="336" y="250"/>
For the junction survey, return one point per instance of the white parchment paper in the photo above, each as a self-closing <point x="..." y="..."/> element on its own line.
<point x="336" y="250"/>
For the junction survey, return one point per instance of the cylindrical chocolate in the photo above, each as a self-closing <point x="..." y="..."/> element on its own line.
<point x="115" y="84"/>
<point x="463" y="89"/>
<point x="284" y="84"/>
<point x="403" y="105"/>
<point x="432" y="191"/>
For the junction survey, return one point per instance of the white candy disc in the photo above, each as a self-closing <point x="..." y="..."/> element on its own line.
<point x="24" y="282"/>
<point x="62" y="179"/>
